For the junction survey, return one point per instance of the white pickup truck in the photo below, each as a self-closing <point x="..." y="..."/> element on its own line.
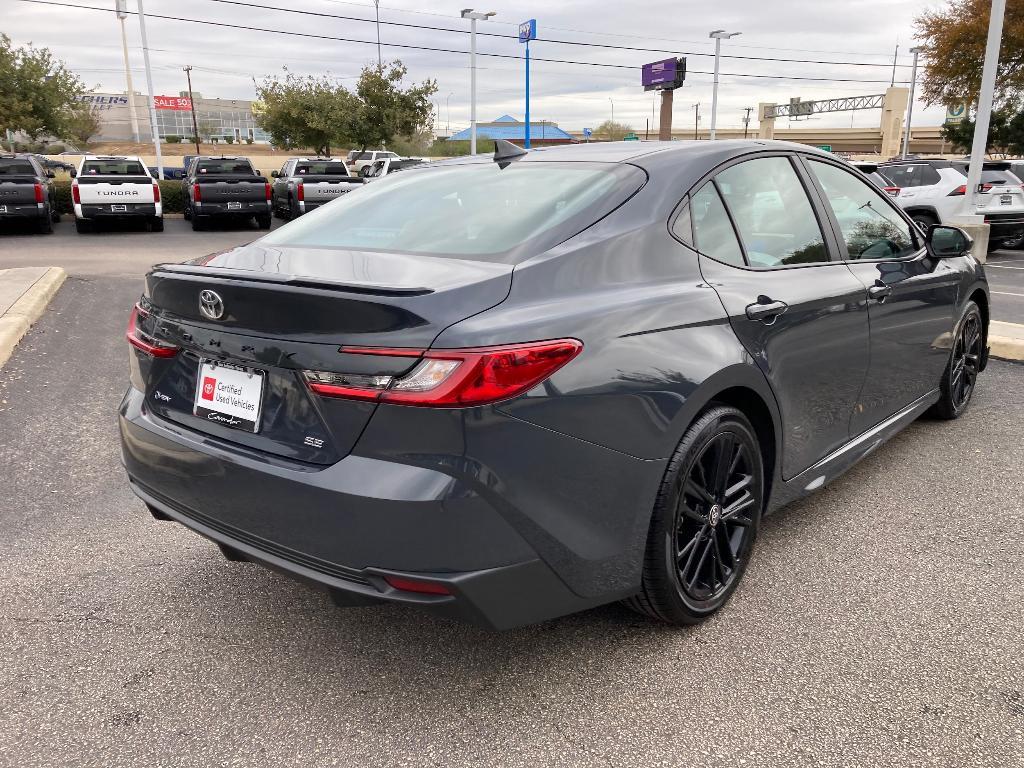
<point x="105" y="188"/>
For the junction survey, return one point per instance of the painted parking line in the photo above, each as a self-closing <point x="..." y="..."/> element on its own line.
<point x="1000" y="266"/>
<point x="1007" y="293"/>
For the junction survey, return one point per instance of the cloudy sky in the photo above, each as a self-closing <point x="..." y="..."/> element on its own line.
<point x="844" y="48"/>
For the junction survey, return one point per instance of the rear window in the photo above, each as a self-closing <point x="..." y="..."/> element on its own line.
<point x="209" y="167"/>
<point x="114" y="168"/>
<point x="479" y="210"/>
<point x="322" y="169"/>
<point x="16" y="168"/>
<point x="998" y="177"/>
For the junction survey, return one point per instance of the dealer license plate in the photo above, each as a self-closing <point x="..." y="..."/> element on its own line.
<point x="119" y="208"/>
<point x="229" y="395"/>
<point x="1006" y="199"/>
<point x="234" y="206"/>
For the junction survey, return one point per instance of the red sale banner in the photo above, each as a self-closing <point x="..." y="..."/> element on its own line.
<point x="180" y="103"/>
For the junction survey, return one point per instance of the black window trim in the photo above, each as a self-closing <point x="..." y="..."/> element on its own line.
<point x="837" y="231"/>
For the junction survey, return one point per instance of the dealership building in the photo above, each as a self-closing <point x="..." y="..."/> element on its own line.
<point x="215" y="117"/>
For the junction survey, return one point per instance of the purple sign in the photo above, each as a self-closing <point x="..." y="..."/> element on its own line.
<point x="668" y="73"/>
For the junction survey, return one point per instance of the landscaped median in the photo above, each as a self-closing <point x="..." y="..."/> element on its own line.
<point x="1006" y="340"/>
<point x="24" y="294"/>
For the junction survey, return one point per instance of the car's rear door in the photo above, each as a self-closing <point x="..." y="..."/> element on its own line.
<point x="801" y="316"/>
<point x="911" y="296"/>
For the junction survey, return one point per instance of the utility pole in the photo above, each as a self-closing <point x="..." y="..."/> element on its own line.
<point x="910" y="102"/>
<point x="122" y="13"/>
<point x="718" y="36"/>
<point x="746" y="120"/>
<point x="696" y="119"/>
<point x="192" y="106"/>
<point x="895" y="53"/>
<point x="613" y="112"/>
<point x="152" y="101"/>
<point x="380" y="61"/>
<point x="474" y="17"/>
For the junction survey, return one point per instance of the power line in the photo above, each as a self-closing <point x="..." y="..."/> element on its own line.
<point x="408" y="46"/>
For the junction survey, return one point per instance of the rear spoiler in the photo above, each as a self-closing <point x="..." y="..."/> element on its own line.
<point x="279" y="278"/>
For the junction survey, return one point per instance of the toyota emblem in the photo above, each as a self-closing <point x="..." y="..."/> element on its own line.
<point x="211" y="305"/>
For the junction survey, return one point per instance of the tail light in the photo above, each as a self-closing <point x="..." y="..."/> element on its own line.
<point x="986" y="187"/>
<point x="451" y="378"/>
<point x="39" y="193"/>
<point x="415" y="585"/>
<point x="266" y="190"/>
<point x="197" y="195"/>
<point x="961" y="190"/>
<point x="143" y="341"/>
<point x="156" y="192"/>
<point x="300" y="192"/>
<point x="892" y="191"/>
<point x="76" y="197"/>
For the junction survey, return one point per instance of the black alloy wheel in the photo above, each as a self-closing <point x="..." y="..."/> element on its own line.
<point x="964" y="364"/>
<point x="705" y="520"/>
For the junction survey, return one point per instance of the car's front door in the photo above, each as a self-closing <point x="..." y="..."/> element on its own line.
<point x="280" y="189"/>
<point x="912" y="297"/>
<point x="800" y="316"/>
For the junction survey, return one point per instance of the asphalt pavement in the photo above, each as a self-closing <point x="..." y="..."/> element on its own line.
<point x="1005" y="270"/>
<point x="879" y="624"/>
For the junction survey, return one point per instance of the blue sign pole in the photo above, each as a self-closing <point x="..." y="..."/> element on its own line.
<point x="527" y="32"/>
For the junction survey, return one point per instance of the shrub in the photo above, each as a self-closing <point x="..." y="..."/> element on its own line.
<point x="229" y="139"/>
<point x="170" y="196"/>
<point x="172" y="139"/>
<point x="248" y="140"/>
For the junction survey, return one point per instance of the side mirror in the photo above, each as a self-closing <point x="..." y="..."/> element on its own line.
<point x="948" y="242"/>
<point x="274" y="174"/>
<point x="73" y="173"/>
<point x="51" y="175"/>
<point x="256" y="172"/>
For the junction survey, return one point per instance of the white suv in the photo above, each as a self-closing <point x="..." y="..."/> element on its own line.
<point x="357" y="160"/>
<point x="932" y="192"/>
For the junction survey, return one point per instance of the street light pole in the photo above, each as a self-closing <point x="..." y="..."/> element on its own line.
<point x="474" y="17"/>
<point x="613" y="112"/>
<point x="152" y="101"/>
<point x="192" y="106"/>
<point x="376" y="6"/>
<point x="910" y="103"/>
<point x="718" y="36"/>
<point x="448" y="114"/>
<point x="122" y="14"/>
<point x="696" y="120"/>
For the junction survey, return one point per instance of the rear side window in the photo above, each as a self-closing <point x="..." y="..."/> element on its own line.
<point x="869" y="225"/>
<point x="773" y="214"/>
<point x="712" y="231"/>
<point x="16" y="168"/>
<point x="475" y="210"/>
<point x="908" y="176"/>
<point x="113" y="168"/>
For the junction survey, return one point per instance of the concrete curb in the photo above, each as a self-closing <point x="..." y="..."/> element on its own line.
<point x="1006" y="348"/>
<point x="16" y="321"/>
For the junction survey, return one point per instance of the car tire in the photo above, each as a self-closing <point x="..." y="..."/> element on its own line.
<point x="156" y="224"/>
<point x="198" y="223"/>
<point x="276" y="210"/>
<point x="54" y="215"/>
<point x="264" y="221"/>
<point x="1013" y="243"/>
<point x="45" y="226"/>
<point x="924" y="220"/>
<point x="960" y="376"/>
<point x="705" y="520"/>
<point x="293" y="210"/>
<point x="82" y="226"/>
<point x="187" y="213"/>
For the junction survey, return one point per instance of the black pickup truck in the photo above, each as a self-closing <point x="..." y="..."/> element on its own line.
<point x="225" y="188"/>
<point x="26" y="192"/>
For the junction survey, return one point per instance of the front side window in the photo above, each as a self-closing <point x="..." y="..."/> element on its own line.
<point x="712" y="231"/>
<point x="870" y="227"/>
<point x="773" y="214"/>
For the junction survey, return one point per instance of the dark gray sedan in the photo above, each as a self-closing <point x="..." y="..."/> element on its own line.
<point x="511" y="388"/>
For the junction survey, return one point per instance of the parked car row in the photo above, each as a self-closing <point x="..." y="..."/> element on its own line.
<point x="26" y="192"/>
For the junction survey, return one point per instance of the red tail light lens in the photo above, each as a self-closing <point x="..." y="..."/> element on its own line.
<point x="266" y="190"/>
<point x="961" y="190"/>
<point x="76" y="197"/>
<point x="415" y="585"/>
<point x="892" y="191"/>
<point x="300" y="192"/>
<point x="39" y="193"/>
<point x="156" y="192"/>
<point x="143" y="341"/>
<point x="197" y="196"/>
<point x="452" y="378"/>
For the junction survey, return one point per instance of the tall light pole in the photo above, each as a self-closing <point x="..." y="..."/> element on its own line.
<point x="192" y="106"/>
<point x="910" y="103"/>
<point x="696" y="120"/>
<point x="122" y="13"/>
<point x="152" y="100"/>
<point x="718" y="36"/>
<point x="613" y="111"/>
<point x="380" y="62"/>
<point x="474" y="17"/>
<point x="448" y="114"/>
<point x="981" y="122"/>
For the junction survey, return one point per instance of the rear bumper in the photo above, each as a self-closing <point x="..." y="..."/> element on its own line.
<point x="106" y="211"/>
<point x="26" y="211"/>
<point x="1004" y="225"/>
<point x="221" y="209"/>
<point x="347" y="525"/>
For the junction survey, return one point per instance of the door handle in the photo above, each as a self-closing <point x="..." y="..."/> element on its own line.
<point x="766" y="310"/>
<point x="880" y="291"/>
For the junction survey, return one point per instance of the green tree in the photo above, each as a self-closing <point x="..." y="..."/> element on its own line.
<point x="82" y="125"/>
<point x="39" y="95"/>
<point x="1005" y="133"/>
<point x="612" y="131"/>
<point x="954" y="39"/>
<point x="385" y="110"/>
<point x="305" y="112"/>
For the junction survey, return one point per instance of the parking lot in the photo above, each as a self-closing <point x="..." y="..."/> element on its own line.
<point x="880" y="621"/>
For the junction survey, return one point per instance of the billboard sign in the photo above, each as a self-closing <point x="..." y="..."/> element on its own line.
<point x="956" y="113"/>
<point x="663" y="75"/>
<point x="528" y="31"/>
<point x="177" y="103"/>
